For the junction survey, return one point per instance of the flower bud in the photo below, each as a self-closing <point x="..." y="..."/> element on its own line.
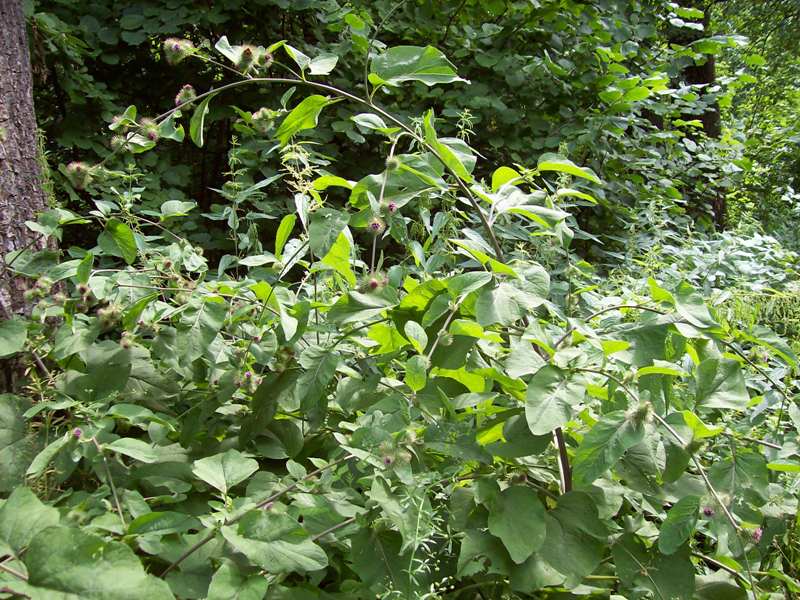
<point x="176" y="50"/>
<point x="79" y="175"/>
<point x="248" y="56"/>
<point x="262" y="120"/>
<point x="376" y="225"/>
<point x="149" y="129"/>
<point x="119" y="143"/>
<point x="186" y="94"/>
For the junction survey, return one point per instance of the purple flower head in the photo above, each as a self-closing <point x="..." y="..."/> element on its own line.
<point x="248" y="374"/>
<point x="387" y="461"/>
<point x="392" y="207"/>
<point x="757" y="533"/>
<point x="708" y="511"/>
<point x="77" y="432"/>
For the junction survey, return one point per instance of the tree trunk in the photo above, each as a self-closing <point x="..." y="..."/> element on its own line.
<point x="704" y="74"/>
<point x="21" y="195"/>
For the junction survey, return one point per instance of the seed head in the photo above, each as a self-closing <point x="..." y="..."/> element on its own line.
<point x="392" y="163"/>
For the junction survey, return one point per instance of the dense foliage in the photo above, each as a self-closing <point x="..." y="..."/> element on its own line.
<point x="346" y="320"/>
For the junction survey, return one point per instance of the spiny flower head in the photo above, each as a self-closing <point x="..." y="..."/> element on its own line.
<point x="79" y="174"/>
<point x="263" y="119"/>
<point x="119" y="143"/>
<point x="177" y="49"/>
<point x="376" y="225"/>
<point x="186" y="94"/>
<point x="149" y="129"/>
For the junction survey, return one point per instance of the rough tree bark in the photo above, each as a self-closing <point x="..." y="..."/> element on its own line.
<point x="21" y="195"/>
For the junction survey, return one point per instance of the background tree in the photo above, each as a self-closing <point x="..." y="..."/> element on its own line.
<point x="21" y="195"/>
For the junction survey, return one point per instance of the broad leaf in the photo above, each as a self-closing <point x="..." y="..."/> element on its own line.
<point x="606" y="442"/>
<point x="67" y="563"/>
<point x="276" y="543"/>
<point x="551" y="399"/>
<point x="325" y="226"/>
<point x="559" y="164"/>
<point x="412" y="63"/>
<point x="22" y="516"/>
<point x="516" y="516"/>
<point x="13" y="335"/>
<point x="229" y="583"/>
<point x="304" y="116"/>
<point x="197" y="122"/>
<point x="720" y="384"/>
<point x="679" y="524"/>
<point x="223" y="471"/>
<point x="117" y="240"/>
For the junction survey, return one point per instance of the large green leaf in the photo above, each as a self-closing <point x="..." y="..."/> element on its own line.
<point x="230" y="583"/>
<point x="606" y="442"/>
<point x="13" y="335"/>
<point x="445" y="153"/>
<point x="17" y="445"/>
<point x="665" y="576"/>
<point x="690" y="305"/>
<point x="679" y="524"/>
<point x="516" y="516"/>
<point x="326" y="225"/>
<point x="69" y="564"/>
<point x="22" y="516"/>
<point x="117" y="240"/>
<point x="412" y="63"/>
<point x="338" y="258"/>
<point x="276" y="543"/>
<point x="311" y="389"/>
<point x="551" y="398"/>
<point x="559" y="164"/>
<point x="720" y="384"/>
<point x="225" y="470"/>
<point x="304" y="116"/>
<point x="197" y="122"/>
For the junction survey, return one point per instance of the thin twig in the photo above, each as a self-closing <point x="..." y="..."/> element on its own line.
<point x="605" y="310"/>
<point x="14" y="572"/>
<point x="336" y="527"/>
<point x="111" y="484"/>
